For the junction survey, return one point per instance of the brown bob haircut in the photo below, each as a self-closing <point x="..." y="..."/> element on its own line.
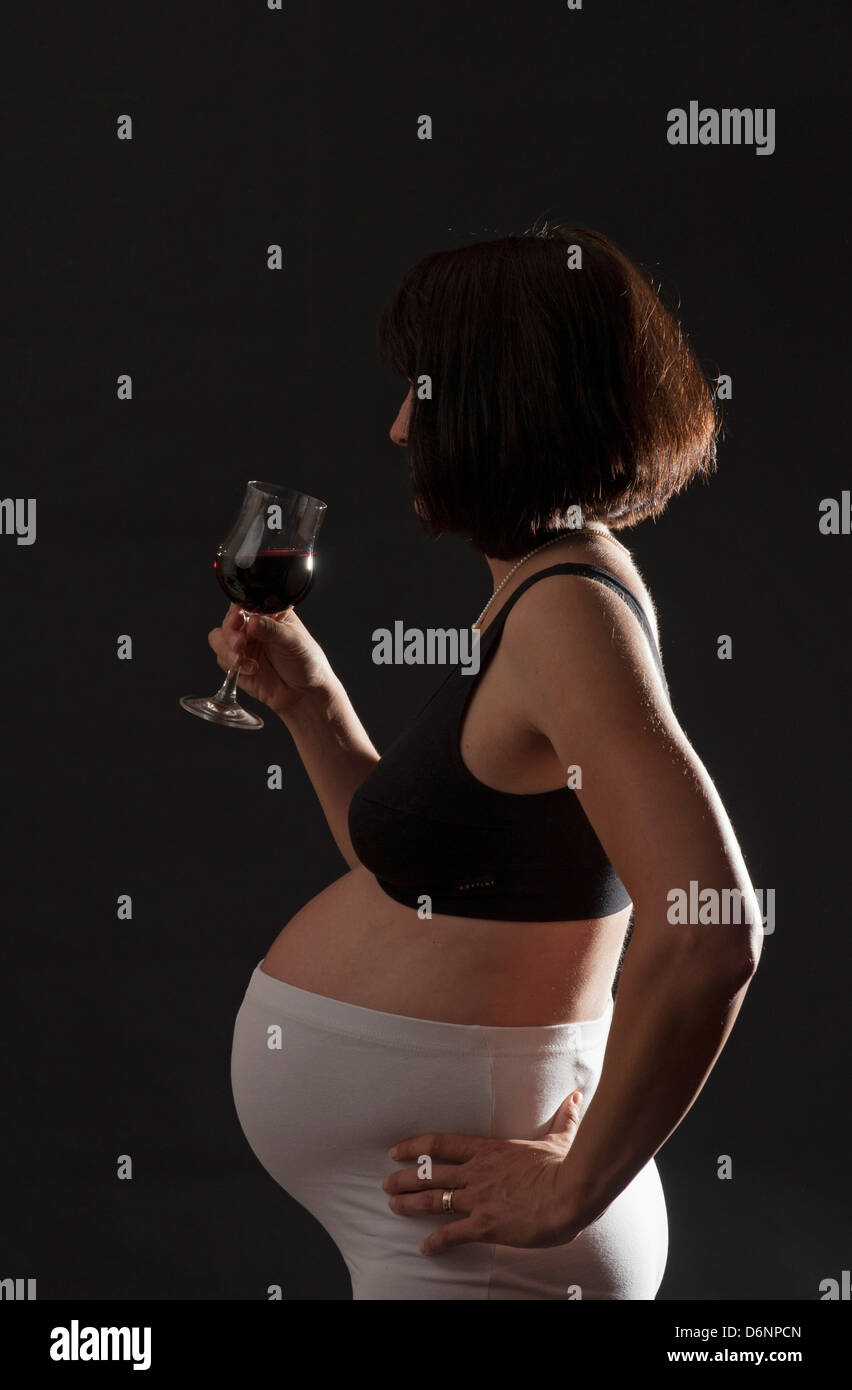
<point x="552" y="387"/>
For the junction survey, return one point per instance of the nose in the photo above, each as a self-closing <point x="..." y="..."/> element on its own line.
<point x="399" y="428"/>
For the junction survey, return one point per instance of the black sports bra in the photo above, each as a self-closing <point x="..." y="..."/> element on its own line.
<point x="428" y="829"/>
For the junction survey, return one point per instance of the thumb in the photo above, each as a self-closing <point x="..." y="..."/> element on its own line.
<point x="264" y="628"/>
<point x="567" y="1118"/>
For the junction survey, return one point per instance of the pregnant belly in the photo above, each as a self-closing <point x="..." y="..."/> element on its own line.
<point x="354" y="943"/>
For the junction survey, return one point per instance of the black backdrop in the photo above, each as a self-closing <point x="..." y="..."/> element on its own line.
<point x="148" y="257"/>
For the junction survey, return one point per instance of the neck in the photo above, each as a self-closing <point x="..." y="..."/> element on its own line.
<point x="500" y="568"/>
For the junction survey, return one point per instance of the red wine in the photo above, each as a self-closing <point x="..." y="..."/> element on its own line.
<point x="273" y="581"/>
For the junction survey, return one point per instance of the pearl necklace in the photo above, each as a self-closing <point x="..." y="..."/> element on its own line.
<point x="589" y="526"/>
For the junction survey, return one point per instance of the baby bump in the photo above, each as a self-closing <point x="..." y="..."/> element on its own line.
<point x="320" y="1101"/>
<point x="322" y="1089"/>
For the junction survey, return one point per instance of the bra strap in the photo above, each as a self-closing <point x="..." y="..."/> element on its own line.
<point x="589" y="572"/>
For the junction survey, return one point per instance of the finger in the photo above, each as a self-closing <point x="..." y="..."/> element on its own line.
<point x="416" y="1203"/>
<point x="235" y="647"/>
<point x="226" y="657"/>
<point x="567" y="1117"/>
<point x="454" y="1233"/>
<point x="265" y="628"/>
<point x="217" y="640"/>
<point x="456" y="1148"/>
<point x="408" y="1179"/>
<point x="224" y="630"/>
<point x="234" y="626"/>
<point x="250" y="660"/>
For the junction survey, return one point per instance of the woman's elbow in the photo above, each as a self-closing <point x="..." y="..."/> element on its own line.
<point x="730" y="955"/>
<point x="722" y="944"/>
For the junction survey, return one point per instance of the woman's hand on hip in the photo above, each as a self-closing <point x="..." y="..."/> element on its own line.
<point x="279" y="660"/>
<point x="505" y="1191"/>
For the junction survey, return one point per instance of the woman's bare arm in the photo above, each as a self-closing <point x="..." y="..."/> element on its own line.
<point x="283" y="665"/>
<point x="336" y="751"/>
<point x="582" y="671"/>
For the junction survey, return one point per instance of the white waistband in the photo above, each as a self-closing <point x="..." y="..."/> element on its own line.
<point x="422" y="1033"/>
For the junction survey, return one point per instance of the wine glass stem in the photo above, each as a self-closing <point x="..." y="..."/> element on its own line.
<point x="226" y="694"/>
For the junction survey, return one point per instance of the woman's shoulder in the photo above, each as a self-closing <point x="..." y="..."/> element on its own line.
<point x="579" y="663"/>
<point x="573" y="593"/>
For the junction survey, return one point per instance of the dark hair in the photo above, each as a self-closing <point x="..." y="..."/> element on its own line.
<point x="551" y="386"/>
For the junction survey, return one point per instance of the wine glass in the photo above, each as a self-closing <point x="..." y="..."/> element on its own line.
<point x="265" y="565"/>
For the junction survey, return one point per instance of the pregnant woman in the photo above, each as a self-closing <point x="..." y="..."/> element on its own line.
<point x="452" y="992"/>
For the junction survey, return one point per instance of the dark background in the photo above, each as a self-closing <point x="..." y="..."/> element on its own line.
<point x="149" y="257"/>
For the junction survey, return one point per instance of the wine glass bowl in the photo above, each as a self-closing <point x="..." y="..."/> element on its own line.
<point x="264" y="565"/>
<point x="273" y="581"/>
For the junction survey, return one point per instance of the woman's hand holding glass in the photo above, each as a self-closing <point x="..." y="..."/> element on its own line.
<point x="278" y="658"/>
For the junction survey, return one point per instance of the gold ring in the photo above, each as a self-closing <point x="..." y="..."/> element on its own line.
<point x="447" y="1201"/>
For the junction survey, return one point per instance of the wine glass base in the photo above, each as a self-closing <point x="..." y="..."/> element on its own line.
<point x="230" y="716"/>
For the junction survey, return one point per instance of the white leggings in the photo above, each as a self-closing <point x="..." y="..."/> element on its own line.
<point x="323" y="1089"/>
